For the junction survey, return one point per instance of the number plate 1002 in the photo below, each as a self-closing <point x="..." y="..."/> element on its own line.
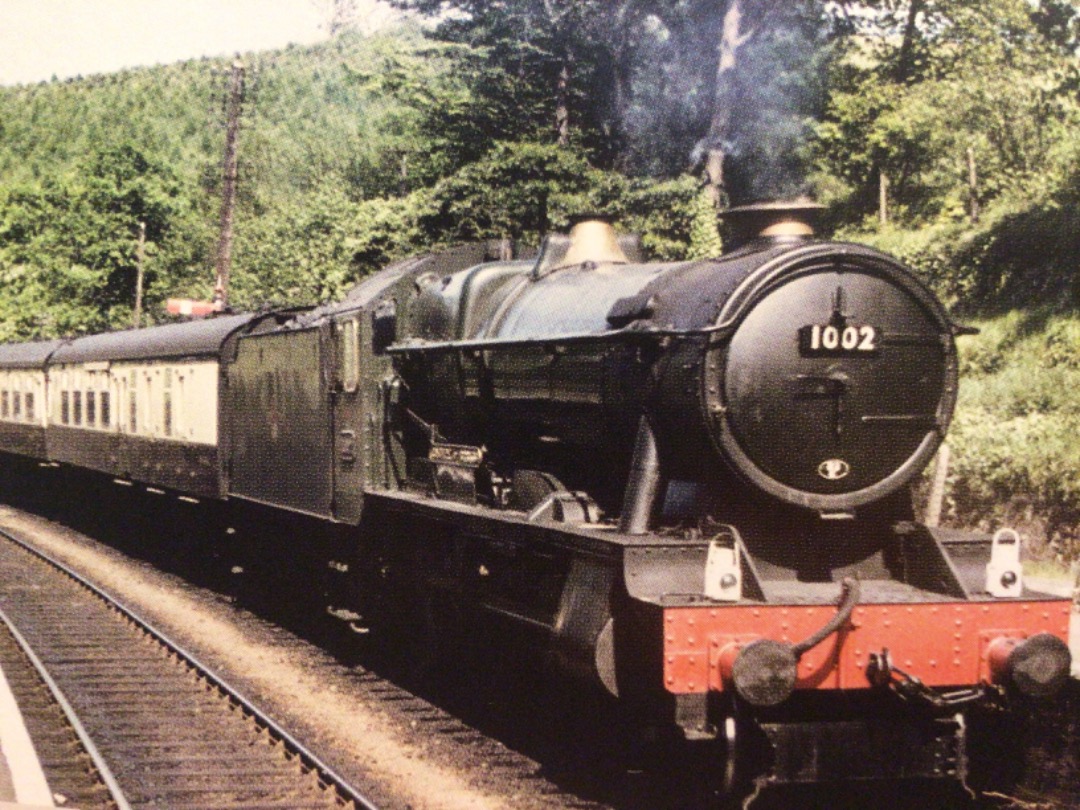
<point x="828" y="339"/>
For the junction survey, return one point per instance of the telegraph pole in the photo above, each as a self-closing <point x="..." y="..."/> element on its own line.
<point x="883" y="198"/>
<point x="140" y="257"/>
<point x="228" y="188"/>
<point x="973" y="185"/>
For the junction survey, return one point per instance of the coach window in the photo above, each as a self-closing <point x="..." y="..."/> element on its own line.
<point x="105" y="412"/>
<point x="350" y="350"/>
<point x="166" y="405"/>
<point x="65" y="408"/>
<point x="76" y="408"/>
<point x="91" y="408"/>
<point x="29" y="406"/>
<point x="147" y="392"/>
<point x="181" y="415"/>
<point x="16" y="406"/>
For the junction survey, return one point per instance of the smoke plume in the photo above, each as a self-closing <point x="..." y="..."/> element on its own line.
<point x="739" y="81"/>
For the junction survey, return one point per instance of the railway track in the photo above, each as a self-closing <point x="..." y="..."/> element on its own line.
<point x="145" y="719"/>
<point x="424" y="745"/>
<point x="27" y="577"/>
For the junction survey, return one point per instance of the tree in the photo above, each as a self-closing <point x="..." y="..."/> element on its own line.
<point x="302" y="254"/>
<point x="982" y="77"/>
<point x="650" y="86"/>
<point x="67" y="244"/>
<point x="519" y="191"/>
<point x="533" y="69"/>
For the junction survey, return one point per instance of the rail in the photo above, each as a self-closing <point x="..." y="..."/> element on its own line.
<point x="116" y="793"/>
<point x="346" y="792"/>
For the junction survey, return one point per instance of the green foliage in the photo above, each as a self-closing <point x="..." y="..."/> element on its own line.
<point x="984" y="77"/>
<point x="313" y="143"/>
<point x="520" y="190"/>
<point x="1015" y="457"/>
<point x="68" y="245"/>
<point x="705" y="241"/>
<point x="300" y="255"/>
<point x="675" y="218"/>
<point x="1023" y="252"/>
<point x="421" y="111"/>
<point x="388" y="229"/>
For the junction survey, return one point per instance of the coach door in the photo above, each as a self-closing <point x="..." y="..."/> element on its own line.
<point x="349" y="430"/>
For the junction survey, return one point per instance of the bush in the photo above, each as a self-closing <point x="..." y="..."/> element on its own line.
<point x="1015" y="454"/>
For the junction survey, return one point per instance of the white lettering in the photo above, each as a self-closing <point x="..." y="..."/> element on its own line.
<point x="869" y="338"/>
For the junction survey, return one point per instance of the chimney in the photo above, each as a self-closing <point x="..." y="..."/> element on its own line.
<point x="778" y="222"/>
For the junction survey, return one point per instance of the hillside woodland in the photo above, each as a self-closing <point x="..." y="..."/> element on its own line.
<point x="944" y="131"/>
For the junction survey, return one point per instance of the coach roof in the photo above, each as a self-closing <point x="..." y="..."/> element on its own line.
<point x="175" y="340"/>
<point x="27" y="355"/>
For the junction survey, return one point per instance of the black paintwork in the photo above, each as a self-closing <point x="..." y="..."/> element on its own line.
<point x="23" y="439"/>
<point x="475" y="419"/>
<point x="279" y="411"/>
<point x="502" y="356"/>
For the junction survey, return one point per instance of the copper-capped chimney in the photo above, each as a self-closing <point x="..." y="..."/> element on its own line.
<point x="782" y="221"/>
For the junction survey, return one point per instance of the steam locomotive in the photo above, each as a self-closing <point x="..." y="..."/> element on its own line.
<point x="690" y="481"/>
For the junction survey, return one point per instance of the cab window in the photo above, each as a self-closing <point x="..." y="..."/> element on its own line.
<point x="350" y="355"/>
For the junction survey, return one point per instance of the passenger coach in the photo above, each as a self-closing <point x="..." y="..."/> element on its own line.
<point x="142" y="404"/>
<point x="23" y="397"/>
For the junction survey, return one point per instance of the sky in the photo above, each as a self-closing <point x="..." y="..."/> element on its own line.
<point x="40" y="39"/>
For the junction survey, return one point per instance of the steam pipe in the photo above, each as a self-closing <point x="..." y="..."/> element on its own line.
<point x="643" y="484"/>
<point x="764" y="671"/>
<point x="848" y="600"/>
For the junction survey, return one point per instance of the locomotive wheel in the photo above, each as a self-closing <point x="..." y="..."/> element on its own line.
<point x="408" y="624"/>
<point x="275" y="565"/>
